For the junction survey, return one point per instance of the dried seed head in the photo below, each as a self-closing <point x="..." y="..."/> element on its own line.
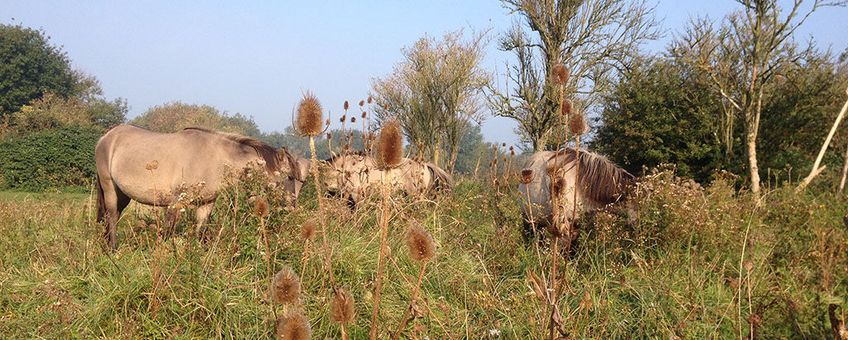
<point x="294" y="326"/>
<point x="342" y="307"/>
<point x="153" y="165"/>
<point x="565" y="107"/>
<point x="511" y="151"/>
<point x="577" y="124"/>
<point x="526" y="176"/>
<point x="390" y="145"/>
<point x="307" y="230"/>
<point x="346" y="105"/>
<point x="285" y="287"/>
<point x="370" y="99"/>
<point x="329" y="135"/>
<point x="260" y="207"/>
<point x="364" y="114"/>
<point x="503" y="145"/>
<point x="420" y="243"/>
<point x="561" y="74"/>
<point x="343" y="118"/>
<point x="587" y="302"/>
<point x="749" y="266"/>
<point x="309" y="116"/>
<point x="361" y="103"/>
<point x="327" y="122"/>
<point x="353" y="119"/>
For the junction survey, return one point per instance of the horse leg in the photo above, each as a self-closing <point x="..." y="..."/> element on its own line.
<point x="201" y="214"/>
<point x="114" y="201"/>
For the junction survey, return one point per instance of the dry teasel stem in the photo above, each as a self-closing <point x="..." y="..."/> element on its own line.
<point x="294" y="326"/>
<point x="390" y="145"/>
<point x="309" y="116"/>
<point x="285" y="287"/>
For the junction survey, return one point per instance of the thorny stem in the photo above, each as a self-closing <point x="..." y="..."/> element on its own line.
<point x="408" y="315"/>
<point x="381" y="259"/>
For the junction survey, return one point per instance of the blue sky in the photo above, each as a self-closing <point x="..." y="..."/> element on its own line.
<point x="257" y="58"/>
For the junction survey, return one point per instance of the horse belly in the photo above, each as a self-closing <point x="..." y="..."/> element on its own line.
<point x="162" y="181"/>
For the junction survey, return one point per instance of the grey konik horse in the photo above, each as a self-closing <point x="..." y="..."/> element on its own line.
<point x="355" y="176"/>
<point x="598" y="182"/>
<point x="156" y="168"/>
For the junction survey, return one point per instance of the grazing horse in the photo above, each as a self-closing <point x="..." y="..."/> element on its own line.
<point x="157" y="168"/>
<point x="356" y="175"/>
<point x="598" y="183"/>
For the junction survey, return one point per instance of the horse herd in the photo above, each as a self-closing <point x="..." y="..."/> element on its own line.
<point x="156" y="169"/>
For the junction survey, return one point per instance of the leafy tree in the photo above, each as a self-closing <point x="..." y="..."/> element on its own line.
<point x="594" y="38"/>
<point x="434" y="93"/>
<point x="745" y="56"/>
<point x="176" y="116"/>
<point x="30" y="67"/>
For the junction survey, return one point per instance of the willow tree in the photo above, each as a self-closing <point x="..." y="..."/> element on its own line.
<point x="434" y="93"/>
<point x="595" y="39"/>
<point x="745" y="56"/>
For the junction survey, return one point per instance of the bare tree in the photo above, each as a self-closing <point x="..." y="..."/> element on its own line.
<point x="745" y="55"/>
<point x="434" y="93"/>
<point x="594" y="38"/>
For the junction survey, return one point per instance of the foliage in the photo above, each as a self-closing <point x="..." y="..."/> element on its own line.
<point x="29" y="67"/>
<point x="52" y="158"/>
<point x="434" y="93"/>
<point x="175" y="116"/>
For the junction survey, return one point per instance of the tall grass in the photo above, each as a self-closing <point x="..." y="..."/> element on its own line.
<point x="670" y="269"/>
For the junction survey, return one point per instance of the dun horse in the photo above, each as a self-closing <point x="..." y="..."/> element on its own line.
<point x="156" y="168"/>
<point x="598" y="182"/>
<point x="355" y="175"/>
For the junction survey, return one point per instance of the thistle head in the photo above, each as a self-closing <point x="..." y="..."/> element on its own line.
<point x="390" y="145"/>
<point x="342" y="307"/>
<point x="309" y="116"/>
<point x="420" y="243"/>
<point x="285" y="287"/>
<point x="561" y="74"/>
<point x="293" y="326"/>
<point x="577" y="124"/>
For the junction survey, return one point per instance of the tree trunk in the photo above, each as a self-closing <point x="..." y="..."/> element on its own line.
<point x="751" y="141"/>
<point x="454" y="154"/>
<point x="844" y="172"/>
<point x="437" y="150"/>
<point x="816" y="169"/>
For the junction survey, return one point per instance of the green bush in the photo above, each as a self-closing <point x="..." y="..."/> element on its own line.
<point x="54" y="158"/>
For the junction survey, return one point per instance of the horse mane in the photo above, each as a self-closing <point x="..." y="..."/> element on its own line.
<point x="269" y="154"/>
<point x="443" y="180"/>
<point x="600" y="180"/>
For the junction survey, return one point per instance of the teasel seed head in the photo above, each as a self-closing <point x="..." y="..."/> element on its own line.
<point x="307" y="230"/>
<point x="285" y="287"/>
<point x="370" y="99"/>
<point x="342" y="119"/>
<point x="294" y="326"/>
<point x="346" y="105"/>
<point x="260" y="207"/>
<point x="420" y="243"/>
<point x="526" y="176"/>
<point x="309" y="116"/>
<point x="577" y="124"/>
<point x="561" y="74"/>
<point x="353" y="119"/>
<point x="329" y="136"/>
<point x="390" y="145"/>
<point x="364" y="114"/>
<point x="565" y="107"/>
<point x="361" y="103"/>
<point x="341" y="307"/>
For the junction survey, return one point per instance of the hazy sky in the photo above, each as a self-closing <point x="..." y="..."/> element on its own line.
<point x="258" y="58"/>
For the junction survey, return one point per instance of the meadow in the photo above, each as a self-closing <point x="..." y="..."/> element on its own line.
<point x="692" y="263"/>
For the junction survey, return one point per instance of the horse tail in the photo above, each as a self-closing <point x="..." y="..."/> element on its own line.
<point x="101" y="202"/>
<point x="442" y="180"/>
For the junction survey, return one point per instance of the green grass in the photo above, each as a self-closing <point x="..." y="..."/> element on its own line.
<point x="671" y="270"/>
